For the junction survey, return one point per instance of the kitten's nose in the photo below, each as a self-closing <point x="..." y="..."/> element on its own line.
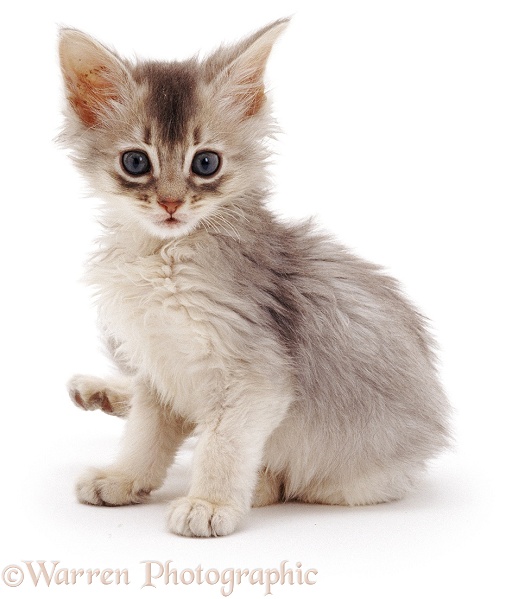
<point x="170" y="204"/>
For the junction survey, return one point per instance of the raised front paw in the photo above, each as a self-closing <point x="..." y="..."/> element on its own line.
<point x="110" y="488"/>
<point x="194" y="517"/>
<point x="93" y="393"/>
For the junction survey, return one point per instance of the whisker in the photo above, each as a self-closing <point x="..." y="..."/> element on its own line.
<point x="224" y="221"/>
<point x="234" y="211"/>
<point x="208" y="221"/>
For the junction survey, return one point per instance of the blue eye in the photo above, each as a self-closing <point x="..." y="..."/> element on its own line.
<point x="205" y="164"/>
<point x="136" y="163"/>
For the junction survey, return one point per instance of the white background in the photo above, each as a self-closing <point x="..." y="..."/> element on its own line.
<point x="397" y="134"/>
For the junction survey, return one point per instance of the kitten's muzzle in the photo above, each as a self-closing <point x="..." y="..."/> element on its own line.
<point x="170" y="205"/>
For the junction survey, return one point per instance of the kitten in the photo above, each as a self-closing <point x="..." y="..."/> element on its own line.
<point x="302" y="369"/>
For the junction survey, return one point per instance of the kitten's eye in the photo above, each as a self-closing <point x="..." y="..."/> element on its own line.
<point x="136" y="163"/>
<point x="205" y="164"/>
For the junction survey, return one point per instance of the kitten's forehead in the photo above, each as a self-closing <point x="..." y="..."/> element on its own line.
<point x="171" y="100"/>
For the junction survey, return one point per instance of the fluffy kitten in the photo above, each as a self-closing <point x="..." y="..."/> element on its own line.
<point x="302" y="369"/>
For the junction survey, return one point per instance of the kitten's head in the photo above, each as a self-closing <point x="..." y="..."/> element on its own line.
<point x="168" y="145"/>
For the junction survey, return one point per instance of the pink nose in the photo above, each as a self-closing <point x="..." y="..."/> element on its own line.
<point x="170" y="204"/>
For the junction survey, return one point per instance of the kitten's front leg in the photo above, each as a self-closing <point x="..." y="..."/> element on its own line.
<point x="151" y="439"/>
<point x="226" y="462"/>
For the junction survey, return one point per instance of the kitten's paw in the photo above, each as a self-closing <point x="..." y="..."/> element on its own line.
<point x="92" y="393"/>
<point x="109" y="487"/>
<point x="194" y="517"/>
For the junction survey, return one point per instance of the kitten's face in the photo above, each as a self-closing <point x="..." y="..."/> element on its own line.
<point x="168" y="159"/>
<point x="170" y="146"/>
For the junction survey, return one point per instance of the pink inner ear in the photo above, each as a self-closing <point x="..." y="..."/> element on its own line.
<point x="90" y="91"/>
<point x="247" y="87"/>
<point x="253" y="96"/>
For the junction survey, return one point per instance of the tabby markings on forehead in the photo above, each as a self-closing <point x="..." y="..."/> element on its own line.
<point x="197" y="135"/>
<point x="147" y="136"/>
<point x="171" y="99"/>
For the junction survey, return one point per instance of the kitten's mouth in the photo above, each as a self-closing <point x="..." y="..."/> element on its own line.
<point x="170" y="226"/>
<point x="172" y="221"/>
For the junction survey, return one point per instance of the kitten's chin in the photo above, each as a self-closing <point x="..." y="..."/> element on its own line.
<point x="169" y="228"/>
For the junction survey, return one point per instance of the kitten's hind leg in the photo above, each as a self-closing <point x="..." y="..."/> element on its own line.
<point x="268" y="489"/>
<point x="370" y="488"/>
<point x="112" y="396"/>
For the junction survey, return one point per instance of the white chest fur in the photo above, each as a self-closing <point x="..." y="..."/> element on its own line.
<point x="159" y="312"/>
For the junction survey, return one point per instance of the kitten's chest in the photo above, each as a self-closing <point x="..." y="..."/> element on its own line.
<point x="156" y="309"/>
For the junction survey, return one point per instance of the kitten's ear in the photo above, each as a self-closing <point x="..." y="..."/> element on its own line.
<point x="242" y="68"/>
<point x="93" y="75"/>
